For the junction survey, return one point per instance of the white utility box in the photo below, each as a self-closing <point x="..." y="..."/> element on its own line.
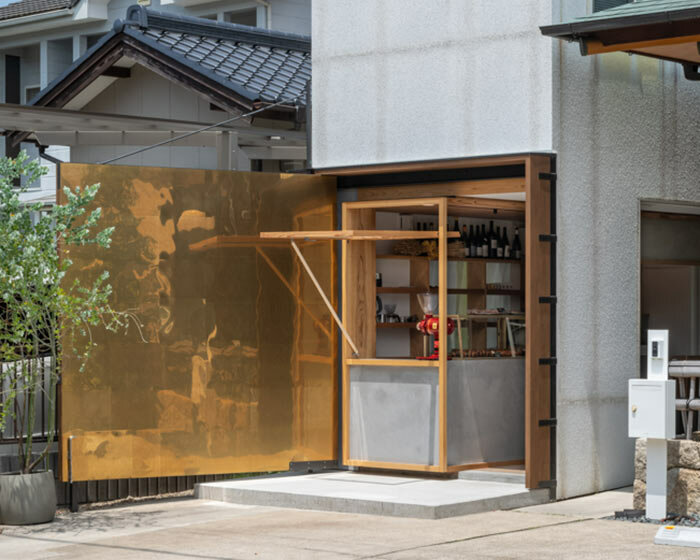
<point x="652" y="408"/>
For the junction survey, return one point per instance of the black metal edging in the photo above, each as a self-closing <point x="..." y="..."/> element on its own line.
<point x="551" y="300"/>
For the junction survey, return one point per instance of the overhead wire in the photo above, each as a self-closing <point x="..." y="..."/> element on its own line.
<point x="203" y="129"/>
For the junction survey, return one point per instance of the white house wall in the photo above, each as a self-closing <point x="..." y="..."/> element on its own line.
<point x="398" y="80"/>
<point x="625" y="128"/>
<point x="147" y="93"/>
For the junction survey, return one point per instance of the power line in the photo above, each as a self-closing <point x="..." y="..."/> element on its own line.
<point x="193" y="132"/>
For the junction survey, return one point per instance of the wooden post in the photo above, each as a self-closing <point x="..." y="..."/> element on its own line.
<point x="442" y="315"/>
<point x="359" y="293"/>
<point x="537" y="262"/>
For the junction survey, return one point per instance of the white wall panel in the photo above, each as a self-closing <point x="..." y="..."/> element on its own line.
<point x="398" y="80"/>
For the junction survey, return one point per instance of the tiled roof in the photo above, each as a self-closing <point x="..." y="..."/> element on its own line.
<point x="271" y="73"/>
<point x="240" y="64"/>
<point x="30" y="7"/>
<point x="263" y="65"/>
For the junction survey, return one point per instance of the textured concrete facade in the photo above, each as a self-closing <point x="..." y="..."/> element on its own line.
<point x="626" y="130"/>
<point x="399" y="80"/>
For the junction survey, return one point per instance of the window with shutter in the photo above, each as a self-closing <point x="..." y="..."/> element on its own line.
<point x="600" y="5"/>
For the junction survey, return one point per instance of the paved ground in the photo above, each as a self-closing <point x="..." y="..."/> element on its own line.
<point x="189" y="528"/>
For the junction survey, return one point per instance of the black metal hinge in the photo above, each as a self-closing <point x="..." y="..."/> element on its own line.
<point x="546" y="176"/>
<point x="549" y="237"/>
<point x="547" y="484"/>
<point x="548" y="422"/>
<point x="548" y="299"/>
<point x="552" y="361"/>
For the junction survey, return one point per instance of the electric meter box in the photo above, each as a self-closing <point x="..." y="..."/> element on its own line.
<point x="652" y="408"/>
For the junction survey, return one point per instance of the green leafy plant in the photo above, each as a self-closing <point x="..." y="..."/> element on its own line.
<point x="42" y="315"/>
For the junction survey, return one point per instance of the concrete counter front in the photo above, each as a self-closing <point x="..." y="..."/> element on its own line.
<point x="394" y="415"/>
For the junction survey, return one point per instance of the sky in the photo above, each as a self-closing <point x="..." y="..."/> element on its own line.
<point x="6" y="2"/>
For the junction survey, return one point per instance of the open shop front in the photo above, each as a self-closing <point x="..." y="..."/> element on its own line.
<point x="447" y="300"/>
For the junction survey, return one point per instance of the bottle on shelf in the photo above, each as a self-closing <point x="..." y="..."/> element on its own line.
<point x="493" y="242"/>
<point x="507" y="252"/>
<point x="456" y="229"/>
<point x="517" y="248"/>
<point x="431" y="227"/>
<point x="484" y="242"/>
<point x="473" y="250"/>
<point x="466" y="241"/>
<point x="499" y="243"/>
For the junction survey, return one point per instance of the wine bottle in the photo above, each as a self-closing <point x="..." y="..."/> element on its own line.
<point x="484" y="242"/>
<point x="499" y="243"/>
<point x="517" y="249"/>
<point x="493" y="242"/>
<point x="456" y="229"/>
<point x="465" y="240"/>
<point x="506" y="244"/>
<point x="474" y="251"/>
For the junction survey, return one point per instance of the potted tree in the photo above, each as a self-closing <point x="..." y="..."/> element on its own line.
<point x="39" y="312"/>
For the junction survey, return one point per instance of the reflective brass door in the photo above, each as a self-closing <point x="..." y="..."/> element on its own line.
<point x="238" y="369"/>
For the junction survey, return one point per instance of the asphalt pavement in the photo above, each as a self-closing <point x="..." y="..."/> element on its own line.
<point x="189" y="528"/>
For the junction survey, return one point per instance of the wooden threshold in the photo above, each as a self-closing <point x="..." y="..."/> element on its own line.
<point x="393" y="466"/>
<point x="490" y="464"/>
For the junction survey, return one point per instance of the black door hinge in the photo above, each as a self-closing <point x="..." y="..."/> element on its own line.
<point x="551" y="361"/>
<point x="552" y="422"/>
<point x="549" y="237"/>
<point x="548" y="299"/>
<point x="547" y="176"/>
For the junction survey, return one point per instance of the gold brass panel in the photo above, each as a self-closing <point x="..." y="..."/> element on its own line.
<point x="238" y="371"/>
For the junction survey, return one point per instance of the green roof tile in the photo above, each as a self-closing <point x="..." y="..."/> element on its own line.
<point x="636" y="13"/>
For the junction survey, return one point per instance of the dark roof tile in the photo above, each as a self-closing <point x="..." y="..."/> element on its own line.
<point x="30" y="7"/>
<point x="268" y="72"/>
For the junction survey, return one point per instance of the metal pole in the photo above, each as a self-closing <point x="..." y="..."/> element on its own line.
<point x="356" y="352"/>
<point x="656" y="478"/>
<point x="71" y="485"/>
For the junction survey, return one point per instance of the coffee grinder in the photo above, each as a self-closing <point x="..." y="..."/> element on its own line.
<point x="430" y="325"/>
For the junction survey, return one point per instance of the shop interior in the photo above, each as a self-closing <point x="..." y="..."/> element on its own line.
<point x="670" y="290"/>
<point x="446" y="309"/>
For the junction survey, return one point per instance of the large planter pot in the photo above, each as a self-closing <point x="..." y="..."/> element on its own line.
<point x="26" y="499"/>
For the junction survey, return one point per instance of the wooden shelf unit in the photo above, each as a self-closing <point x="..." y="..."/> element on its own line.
<point x="359" y="292"/>
<point x="457" y="259"/>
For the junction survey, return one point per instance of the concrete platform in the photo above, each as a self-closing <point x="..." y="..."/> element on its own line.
<point x="353" y="492"/>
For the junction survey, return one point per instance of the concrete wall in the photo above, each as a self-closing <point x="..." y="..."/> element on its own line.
<point x="625" y="128"/>
<point x="399" y="80"/>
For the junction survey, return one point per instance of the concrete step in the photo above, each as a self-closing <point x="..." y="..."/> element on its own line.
<point x="353" y="492"/>
<point x="494" y="475"/>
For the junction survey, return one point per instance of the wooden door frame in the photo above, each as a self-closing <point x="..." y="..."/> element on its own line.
<point x="538" y="183"/>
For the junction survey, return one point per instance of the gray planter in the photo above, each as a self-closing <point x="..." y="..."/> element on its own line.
<point x="26" y="499"/>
